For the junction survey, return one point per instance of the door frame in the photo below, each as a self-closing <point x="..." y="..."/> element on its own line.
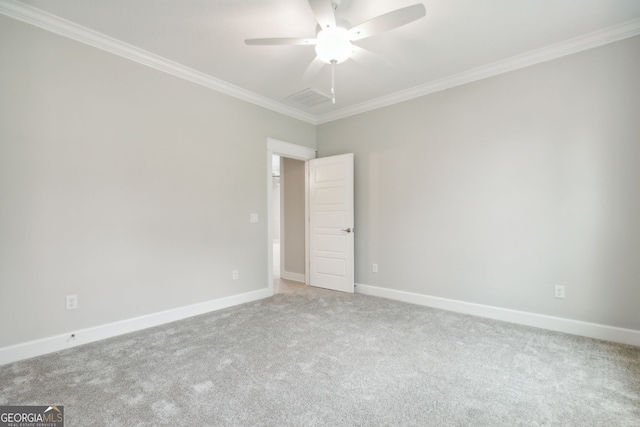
<point x="297" y="152"/>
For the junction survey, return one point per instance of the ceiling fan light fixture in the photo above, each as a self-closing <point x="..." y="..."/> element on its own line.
<point x="333" y="45"/>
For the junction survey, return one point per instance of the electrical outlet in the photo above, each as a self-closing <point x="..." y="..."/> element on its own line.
<point x="559" y="291"/>
<point x="374" y="268"/>
<point x="234" y="274"/>
<point x="72" y="302"/>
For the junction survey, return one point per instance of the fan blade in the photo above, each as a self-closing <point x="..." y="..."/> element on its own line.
<point x="388" y="21"/>
<point x="323" y="10"/>
<point x="281" y="41"/>
<point x="313" y="69"/>
<point x="367" y="58"/>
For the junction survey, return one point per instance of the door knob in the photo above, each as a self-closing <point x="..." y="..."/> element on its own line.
<point x="348" y="230"/>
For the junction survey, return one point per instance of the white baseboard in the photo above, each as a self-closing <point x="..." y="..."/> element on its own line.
<point x="84" y="336"/>
<point x="296" y="277"/>
<point x="575" y="327"/>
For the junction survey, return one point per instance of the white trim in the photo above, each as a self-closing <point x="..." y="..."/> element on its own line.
<point x="296" y="277"/>
<point x="283" y="241"/>
<point x="307" y="229"/>
<point x="46" y="21"/>
<point x="84" y="336"/>
<point x="570" y="326"/>
<point x="269" y="220"/>
<point x="568" y="47"/>
<point x="65" y="28"/>
<point x="292" y="151"/>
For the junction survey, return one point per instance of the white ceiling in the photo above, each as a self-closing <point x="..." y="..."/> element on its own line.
<point x="456" y="37"/>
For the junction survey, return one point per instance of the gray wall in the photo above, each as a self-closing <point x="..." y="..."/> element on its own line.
<point x="124" y="185"/>
<point x="293" y="232"/>
<point x="495" y="191"/>
<point x="132" y="188"/>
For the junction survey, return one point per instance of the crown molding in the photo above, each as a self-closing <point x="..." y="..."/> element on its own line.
<point x="39" y="18"/>
<point x="62" y="27"/>
<point x="568" y="47"/>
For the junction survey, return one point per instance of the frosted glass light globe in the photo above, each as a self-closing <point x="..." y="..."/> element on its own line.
<point x="333" y="45"/>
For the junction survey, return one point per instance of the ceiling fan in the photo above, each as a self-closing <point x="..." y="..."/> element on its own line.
<point x="333" y="42"/>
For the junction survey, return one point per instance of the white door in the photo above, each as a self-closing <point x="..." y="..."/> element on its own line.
<point x="331" y="228"/>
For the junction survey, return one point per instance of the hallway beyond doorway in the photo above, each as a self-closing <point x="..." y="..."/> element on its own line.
<point x="280" y="285"/>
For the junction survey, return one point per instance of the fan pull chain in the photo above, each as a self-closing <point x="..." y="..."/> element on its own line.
<point x="333" y="81"/>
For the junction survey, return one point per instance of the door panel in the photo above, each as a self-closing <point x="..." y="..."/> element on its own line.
<point x="329" y="243"/>
<point x="331" y="222"/>
<point x="328" y="196"/>
<point x="330" y="219"/>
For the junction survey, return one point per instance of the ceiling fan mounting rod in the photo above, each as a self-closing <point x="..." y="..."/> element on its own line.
<point x="333" y="81"/>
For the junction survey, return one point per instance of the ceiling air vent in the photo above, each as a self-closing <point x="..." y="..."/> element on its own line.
<point x="309" y="97"/>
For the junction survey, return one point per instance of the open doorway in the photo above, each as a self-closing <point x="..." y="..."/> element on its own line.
<point x="288" y="203"/>
<point x="275" y="208"/>
<point x="289" y="210"/>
